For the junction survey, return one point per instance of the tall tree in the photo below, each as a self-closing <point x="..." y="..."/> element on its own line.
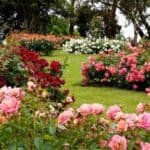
<point x="72" y="10"/>
<point x="135" y="11"/>
<point x="31" y="15"/>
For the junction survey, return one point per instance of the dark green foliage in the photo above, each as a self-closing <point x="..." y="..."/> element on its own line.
<point x="43" y="46"/>
<point x="12" y="70"/>
<point x="58" y="26"/>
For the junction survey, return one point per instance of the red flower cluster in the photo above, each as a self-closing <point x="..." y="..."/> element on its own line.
<point x="46" y="80"/>
<point x="32" y="60"/>
<point x="55" y="66"/>
<point x="39" y="68"/>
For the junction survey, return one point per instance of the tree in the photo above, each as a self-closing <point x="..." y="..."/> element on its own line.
<point x="135" y="12"/>
<point x="73" y="11"/>
<point x="31" y="15"/>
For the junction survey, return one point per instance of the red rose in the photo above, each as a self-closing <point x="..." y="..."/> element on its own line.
<point x="55" y="66"/>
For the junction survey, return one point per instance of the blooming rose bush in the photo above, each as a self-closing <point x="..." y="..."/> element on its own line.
<point x="57" y="41"/>
<point x="92" y="46"/>
<point x="84" y="128"/>
<point x="43" y="74"/>
<point x="126" y="69"/>
<point x="10" y="100"/>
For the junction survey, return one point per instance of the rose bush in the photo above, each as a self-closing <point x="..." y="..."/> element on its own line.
<point x="83" y="129"/>
<point x="126" y="69"/>
<point x="92" y="46"/>
<point x="47" y="76"/>
<point x="16" y="38"/>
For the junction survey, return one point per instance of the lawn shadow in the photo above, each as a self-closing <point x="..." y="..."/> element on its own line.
<point x="77" y="84"/>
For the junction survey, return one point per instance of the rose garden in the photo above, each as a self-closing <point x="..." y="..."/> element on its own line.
<point x="68" y="91"/>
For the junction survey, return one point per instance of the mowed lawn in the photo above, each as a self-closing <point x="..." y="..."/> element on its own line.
<point x="104" y="95"/>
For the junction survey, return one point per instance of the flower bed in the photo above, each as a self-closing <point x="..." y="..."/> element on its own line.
<point x="21" y="67"/>
<point x="83" y="128"/>
<point x="42" y="46"/>
<point x="56" y="40"/>
<point x="91" y="126"/>
<point x="127" y="69"/>
<point x="92" y="46"/>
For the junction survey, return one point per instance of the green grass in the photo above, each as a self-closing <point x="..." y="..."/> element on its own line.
<point x="104" y="95"/>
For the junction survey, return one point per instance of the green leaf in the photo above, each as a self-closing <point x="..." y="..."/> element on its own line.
<point x="38" y="142"/>
<point x="12" y="147"/>
<point x="52" y="129"/>
<point x="48" y="137"/>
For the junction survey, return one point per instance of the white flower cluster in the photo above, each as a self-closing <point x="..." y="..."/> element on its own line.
<point x="92" y="45"/>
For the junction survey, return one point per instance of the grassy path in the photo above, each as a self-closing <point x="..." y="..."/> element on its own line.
<point x="105" y="95"/>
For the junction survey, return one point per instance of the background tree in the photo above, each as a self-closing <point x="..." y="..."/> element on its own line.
<point x="31" y="15"/>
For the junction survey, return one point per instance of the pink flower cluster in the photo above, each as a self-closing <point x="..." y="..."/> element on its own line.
<point x="129" y="71"/>
<point x="129" y="121"/>
<point x="145" y="146"/>
<point x="118" y="125"/>
<point x="84" y="110"/>
<point x="66" y="116"/>
<point x="91" y="109"/>
<point x="118" y="143"/>
<point x="10" y="99"/>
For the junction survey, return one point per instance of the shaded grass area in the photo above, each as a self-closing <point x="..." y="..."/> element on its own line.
<point x="105" y="95"/>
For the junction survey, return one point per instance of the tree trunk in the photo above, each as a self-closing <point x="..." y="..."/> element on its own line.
<point x="71" y="27"/>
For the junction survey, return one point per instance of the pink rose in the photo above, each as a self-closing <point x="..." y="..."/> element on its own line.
<point x="135" y="86"/>
<point x="145" y="146"/>
<point x="103" y="143"/>
<point x="140" y="108"/>
<point x="111" y="70"/>
<point x="10" y="105"/>
<point x="99" y="66"/>
<point x="112" y="111"/>
<point x="118" y="143"/>
<point x="122" y="71"/>
<point x="91" y="60"/>
<point x="122" y="126"/>
<point x="119" y="115"/>
<point x="11" y="92"/>
<point x="66" y="116"/>
<point x="131" y="120"/>
<point x="97" y="109"/>
<point x="147" y="90"/>
<point x="144" y="121"/>
<point x="84" y="109"/>
<point x="107" y="74"/>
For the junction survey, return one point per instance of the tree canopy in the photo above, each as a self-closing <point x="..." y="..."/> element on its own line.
<point x="35" y="15"/>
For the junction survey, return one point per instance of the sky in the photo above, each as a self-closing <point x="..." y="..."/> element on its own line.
<point x="127" y="28"/>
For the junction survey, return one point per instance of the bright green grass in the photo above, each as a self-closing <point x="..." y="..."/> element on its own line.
<point x="107" y="96"/>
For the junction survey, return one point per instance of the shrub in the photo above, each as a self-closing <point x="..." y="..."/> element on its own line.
<point x="15" y="38"/>
<point x="44" y="74"/>
<point x="92" y="46"/>
<point x="83" y="128"/>
<point x="43" y="46"/>
<point x="127" y="69"/>
<point x="12" y="70"/>
<point x="58" y="26"/>
<point x="26" y="120"/>
<point x="97" y="27"/>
